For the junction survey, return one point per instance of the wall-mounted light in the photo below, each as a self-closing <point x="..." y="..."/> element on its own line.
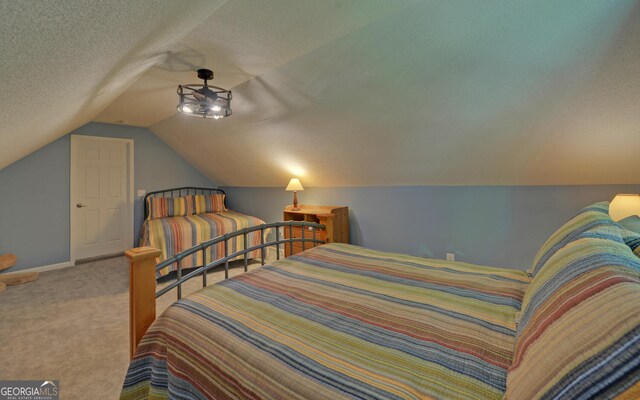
<point x="203" y="100"/>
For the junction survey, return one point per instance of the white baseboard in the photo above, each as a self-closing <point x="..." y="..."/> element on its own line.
<point x="44" y="268"/>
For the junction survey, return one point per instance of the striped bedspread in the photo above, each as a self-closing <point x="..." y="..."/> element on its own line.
<point x="336" y="322"/>
<point x="175" y="234"/>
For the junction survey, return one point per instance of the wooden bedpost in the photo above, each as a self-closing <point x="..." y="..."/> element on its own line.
<point x="142" y="292"/>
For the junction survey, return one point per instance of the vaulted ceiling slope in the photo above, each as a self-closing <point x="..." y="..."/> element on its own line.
<point x="440" y="93"/>
<point x="343" y="92"/>
<point x="63" y="62"/>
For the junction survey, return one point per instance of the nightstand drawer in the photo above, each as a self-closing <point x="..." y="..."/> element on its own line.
<point x="297" y="248"/>
<point x="308" y="233"/>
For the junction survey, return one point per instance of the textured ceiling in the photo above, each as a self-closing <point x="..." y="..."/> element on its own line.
<point x="241" y="40"/>
<point x="440" y="93"/>
<point x="63" y="62"/>
<point x="344" y="92"/>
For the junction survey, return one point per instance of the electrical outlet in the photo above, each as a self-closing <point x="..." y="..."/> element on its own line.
<point x="451" y="257"/>
<point x="141" y="192"/>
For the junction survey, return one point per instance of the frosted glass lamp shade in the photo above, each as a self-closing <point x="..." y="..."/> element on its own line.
<point x="294" y="185"/>
<point x="624" y="205"/>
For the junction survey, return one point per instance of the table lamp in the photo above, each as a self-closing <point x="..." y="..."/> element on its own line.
<point x="624" y="205"/>
<point x="294" y="186"/>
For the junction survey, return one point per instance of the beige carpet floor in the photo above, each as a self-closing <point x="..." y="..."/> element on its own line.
<point x="72" y="325"/>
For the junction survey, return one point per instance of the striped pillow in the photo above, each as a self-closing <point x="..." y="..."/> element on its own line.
<point x="162" y="207"/>
<point x="579" y="337"/>
<point x="632" y="239"/>
<point x="208" y="203"/>
<point x="631" y="223"/>
<point x="589" y="217"/>
<point x="631" y="232"/>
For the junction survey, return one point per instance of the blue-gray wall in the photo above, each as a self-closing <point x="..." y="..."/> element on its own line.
<point x="491" y="225"/>
<point x="34" y="192"/>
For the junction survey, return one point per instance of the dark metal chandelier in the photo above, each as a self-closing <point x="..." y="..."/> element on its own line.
<point x="203" y="100"/>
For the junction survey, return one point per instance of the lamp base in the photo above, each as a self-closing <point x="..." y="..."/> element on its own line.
<point x="295" y="202"/>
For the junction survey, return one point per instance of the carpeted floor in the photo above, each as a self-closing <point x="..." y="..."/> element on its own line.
<point x="72" y="325"/>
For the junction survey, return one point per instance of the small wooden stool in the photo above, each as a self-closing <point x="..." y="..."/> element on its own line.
<point x="7" y="261"/>
<point x="18" y="278"/>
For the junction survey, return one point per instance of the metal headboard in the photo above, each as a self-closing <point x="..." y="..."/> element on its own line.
<point x="181" y="191"/>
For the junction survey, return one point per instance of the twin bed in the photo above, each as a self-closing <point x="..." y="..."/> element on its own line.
<point x="340" y="321"/>
<point x="177" y="219"/>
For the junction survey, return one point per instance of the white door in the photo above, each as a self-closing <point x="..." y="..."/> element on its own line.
<point x="101" y="196"/>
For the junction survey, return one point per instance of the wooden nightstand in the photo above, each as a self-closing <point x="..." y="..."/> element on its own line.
<point x="335" y="218"/>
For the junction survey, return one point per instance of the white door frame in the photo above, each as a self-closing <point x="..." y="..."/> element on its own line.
<point x="130" y="203"/>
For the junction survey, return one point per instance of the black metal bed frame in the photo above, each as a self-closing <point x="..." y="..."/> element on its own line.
<point x="177" y="259"/>
<point x="181" y="191"/>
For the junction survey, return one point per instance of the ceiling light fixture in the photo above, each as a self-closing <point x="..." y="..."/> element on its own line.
<point x="203" y="100"/>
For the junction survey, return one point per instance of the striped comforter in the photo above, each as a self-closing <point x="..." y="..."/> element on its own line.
<point x="337" y="322"/>
<point x="173" y="235"/>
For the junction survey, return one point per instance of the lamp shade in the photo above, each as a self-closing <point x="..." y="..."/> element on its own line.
<point x="294" y="185"/>
<point x="624" y="205"/>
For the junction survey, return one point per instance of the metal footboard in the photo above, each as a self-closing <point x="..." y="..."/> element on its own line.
<point x="202" y="247"/>
<point x="142" y="270"/>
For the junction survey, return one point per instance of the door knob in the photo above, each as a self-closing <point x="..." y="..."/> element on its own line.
<point x="80" y="205"/>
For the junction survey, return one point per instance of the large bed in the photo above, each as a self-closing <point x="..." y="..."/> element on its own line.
<point x="334" y="322"/>
<point x="343" y="322"/>
<point x="180" y="218"/>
